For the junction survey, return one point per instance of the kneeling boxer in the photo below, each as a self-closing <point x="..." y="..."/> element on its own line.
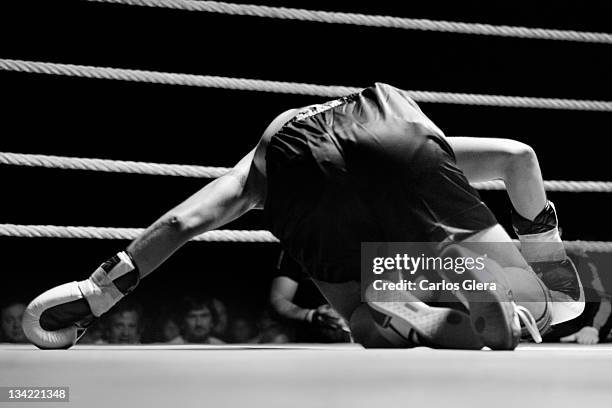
<point x="369" y="167"/>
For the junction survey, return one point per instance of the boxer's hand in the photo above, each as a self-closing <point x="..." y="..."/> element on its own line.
<point x="586" y="335"/>
<point x="53" y="319"/>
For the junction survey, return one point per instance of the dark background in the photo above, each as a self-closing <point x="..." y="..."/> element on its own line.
<point x="171" y="124"/>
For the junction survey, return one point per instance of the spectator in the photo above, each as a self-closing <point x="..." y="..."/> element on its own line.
<point x="169" y="329"/>
<point x="11" y="314"/>
<point x="221" y="327"/>
<point x="125" y="323"/>
<point x="314" y="319"/>
<point x="272" y="331"/>
<point x="242" y="331"/>
<point x="275" y="334"/>
<point x="197" y="322"/>
<point x="597" y="327"/>
<point x="585" y="329"/>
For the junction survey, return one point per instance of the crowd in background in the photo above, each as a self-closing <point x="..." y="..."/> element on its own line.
<point x="296" y="313"/>
<point x="191" y="320"/>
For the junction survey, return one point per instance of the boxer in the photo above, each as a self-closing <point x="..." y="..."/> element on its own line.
<point x="368" y="167"/>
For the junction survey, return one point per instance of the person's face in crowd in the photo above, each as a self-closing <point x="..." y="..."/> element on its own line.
<point x="170" y="330"/>
<point x="241" y="331"/>
<point x="222" y="318"/>
<point x="124" y="328"/>
<point x="198" y="324"/>
<point x="11" y="323"/>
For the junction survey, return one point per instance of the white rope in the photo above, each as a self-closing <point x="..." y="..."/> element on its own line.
<point x="556" y="186"/>
<point x="330" y="91"/>
<point x="55" y="231"/>
<point x="131" y="167"/>
<point x="371" y="20"/>
<point x="112" y="166"/>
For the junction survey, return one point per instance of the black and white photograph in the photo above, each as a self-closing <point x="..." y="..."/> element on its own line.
<point x="273" y="203"/>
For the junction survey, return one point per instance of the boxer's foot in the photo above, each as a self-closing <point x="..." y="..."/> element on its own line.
<point x="420" y="324"/>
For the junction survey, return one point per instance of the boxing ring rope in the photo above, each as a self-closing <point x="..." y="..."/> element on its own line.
<point x="370" y="20"/>
<point x="180" y="170"/>
<point x="566" y="186"/>
<point x="168" y="78"/>
<point x="113" y="166"/>
<point x="55" y="231"/>
<point x="243" y="84"/>
<point x="71" y="163"/>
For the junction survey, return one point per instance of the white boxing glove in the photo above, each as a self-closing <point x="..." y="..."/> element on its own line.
<point x="53" y="320"/>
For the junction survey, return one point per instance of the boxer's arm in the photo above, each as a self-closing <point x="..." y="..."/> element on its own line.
<point x="52" y="320"/>
<point x="282" y="293"/>
<point x="218" y="203"/>
<point x="485" y="159"/>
